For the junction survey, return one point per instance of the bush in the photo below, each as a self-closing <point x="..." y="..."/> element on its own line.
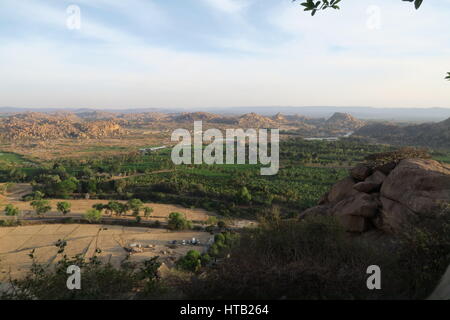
<point x="41" y="206"/>
<point x="193" y="261"/>
<point x="10" y="210"/>
<point x="177" y="221"/>
<point x="99" y="281"/>
<point x="316" y="259"/>
<point x="93" y="215"/>
<point x="63" y="207"/>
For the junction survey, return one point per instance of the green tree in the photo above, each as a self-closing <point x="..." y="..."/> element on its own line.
<point x="115" y="207"/>
<point x="93" y="215"/>
<point x="192" y="261"/>
<point x="66" y="187"/>
<point x="41" y="206"/>
<point x="135" y="205"/>
<point x="99" y="206"/>
<point x="10" y="210"/>
<point x="244" y="195"/>
<point x="148" y="212"/>
<point x="123" y="208"/>
<point x="178" y="221"/>
<point x="63" y="207"/>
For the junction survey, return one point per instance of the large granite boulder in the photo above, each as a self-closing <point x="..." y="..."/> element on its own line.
<point x="369" y="199"/>
<point x="367" y="187"/>
<point x="360" y="172"/>
<point x="421" y="185"/>
<point x="341" y="190"/>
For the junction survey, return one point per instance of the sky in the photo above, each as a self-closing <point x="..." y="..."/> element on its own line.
<point x="222" y="53"/>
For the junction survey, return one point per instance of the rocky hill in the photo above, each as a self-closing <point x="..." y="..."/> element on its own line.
<point x="254" y="120"/>
<point x="343" y="121"/>
<point x="388" y="193"/>
<point x="44" y="127"/>
<point x="436" y="135"/>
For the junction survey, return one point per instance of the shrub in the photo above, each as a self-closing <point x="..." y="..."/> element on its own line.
<point x="93" y="215"/>
<point x="135" y="205"/>
<point x="10" y="210"/>
<point x="63" y="207"/>
<point x="177" y="221"/>
<point x="148" y="212"/>
<point x="192" y="261"/>
<point x="41" y="206"/>
<point x="316" y="259"/>
<point x="99" y="280"/>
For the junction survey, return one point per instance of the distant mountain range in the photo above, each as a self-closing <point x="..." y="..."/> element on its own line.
<point x="434" y="135"/>
<point x="366" y="113"/>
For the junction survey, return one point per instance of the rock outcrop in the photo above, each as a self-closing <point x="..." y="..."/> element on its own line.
<point x="387" y="196"/>
<point x="39" y="126"/>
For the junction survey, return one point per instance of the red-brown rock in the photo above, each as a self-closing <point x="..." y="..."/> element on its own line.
<point x="342" y="190"/>
<point x="367" y="187"/>
<point x="362" y="204"/>
<point x="421" y="185"/>
<point x="360" y="172"/>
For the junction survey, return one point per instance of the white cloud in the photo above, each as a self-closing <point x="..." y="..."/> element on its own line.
<point x="385" y="67"/>
<point x="228" y="6"/>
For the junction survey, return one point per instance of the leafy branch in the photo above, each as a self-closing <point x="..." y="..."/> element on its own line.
<point x="314" y="6"/>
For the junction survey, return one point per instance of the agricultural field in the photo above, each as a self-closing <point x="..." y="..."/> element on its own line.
<point x="16" y="244"/>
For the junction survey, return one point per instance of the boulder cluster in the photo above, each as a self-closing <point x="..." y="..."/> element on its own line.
<point x="387" y="196"/>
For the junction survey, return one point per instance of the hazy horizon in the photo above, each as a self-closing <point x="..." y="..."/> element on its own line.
<point x="222" y="54"/>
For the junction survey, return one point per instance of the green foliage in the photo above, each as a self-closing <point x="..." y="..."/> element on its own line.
<point x="316" y="259"/>
<point x="223" y="243"/>
<point x="100" y="281"/>
<point x="135" y="205"/>
<point x="35" y="195"/>
<point x="93" y="215"/>
<point x="448" y="76"/>
<point x="314" y="6"/>
<point x="177" y="221"/>
<point x="244" y="195"/>
<point x="148" y="212"/>
<point x="98" y="206"/>
<point x="193" y="261"/>
<point x="63" y="207"/>
<point x="10" y="210"/>
<point x="41" y="206"/>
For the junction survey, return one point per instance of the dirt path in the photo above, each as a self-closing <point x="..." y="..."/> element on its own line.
<point x="17" y="242"/>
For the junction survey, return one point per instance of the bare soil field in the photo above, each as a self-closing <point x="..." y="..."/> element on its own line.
<point x="79" y="207"/>
<point x="86" y="148"/>
<point x="17" y="242"/>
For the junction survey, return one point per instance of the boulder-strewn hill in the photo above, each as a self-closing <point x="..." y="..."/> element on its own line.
<point x="195" y="116"/>
<point x="44" y="127"/>
<point x="343" y="121"/>
<point x="388" y="193"/>
<point x="254" y="120"/>
<point x="436" y="135"/>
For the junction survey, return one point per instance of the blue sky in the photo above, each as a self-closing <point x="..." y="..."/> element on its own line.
<point x="219" y="53"/>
